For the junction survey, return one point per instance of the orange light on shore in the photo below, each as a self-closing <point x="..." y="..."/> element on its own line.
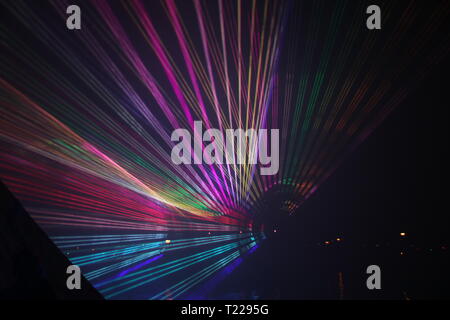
<point x="402" y="234"/>
<point x="167" y="241"/>
<point x="338" y="239"/>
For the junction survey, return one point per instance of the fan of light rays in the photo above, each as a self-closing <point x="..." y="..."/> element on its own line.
<point x="87" y="117"/>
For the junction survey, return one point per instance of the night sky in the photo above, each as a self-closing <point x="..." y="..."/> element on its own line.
<point x="85" y="145"/>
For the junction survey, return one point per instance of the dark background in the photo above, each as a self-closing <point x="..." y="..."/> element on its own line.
<point x="396" y="181"/>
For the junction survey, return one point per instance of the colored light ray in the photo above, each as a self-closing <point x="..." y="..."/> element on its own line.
<point x="134" y="268"/>
<point x="86" y="121"/>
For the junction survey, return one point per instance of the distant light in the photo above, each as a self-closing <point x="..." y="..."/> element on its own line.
<point x="167" y="241"/>
<point x="275" y="230"/>
<point x="402" y="253"/>
<point x="402" y="234"/>
<point x="327" y="242"/>
<point x="338" y="239"/>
